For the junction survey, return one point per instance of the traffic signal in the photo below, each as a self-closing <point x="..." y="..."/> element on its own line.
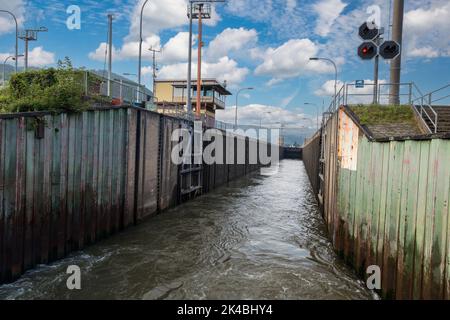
<point x="367" y="50"/>
<point x="390" y="50"/>
<point x="367" y="32"/>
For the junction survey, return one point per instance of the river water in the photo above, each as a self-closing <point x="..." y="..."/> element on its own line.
<point x="261" y="237"/>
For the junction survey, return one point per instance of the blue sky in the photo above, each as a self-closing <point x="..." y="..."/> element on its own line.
<point x="260" y="43"/>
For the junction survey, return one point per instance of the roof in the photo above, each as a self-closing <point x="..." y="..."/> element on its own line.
<point x="219" y="87"/>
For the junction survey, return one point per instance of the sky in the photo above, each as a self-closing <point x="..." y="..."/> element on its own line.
<point x="264" y="44"/>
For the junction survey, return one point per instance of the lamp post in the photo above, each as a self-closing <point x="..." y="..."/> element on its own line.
<point x="260" y="118"/>
<point x="17" y="34"/>
<point x="140" y="43"/>
<point x="317" y="107"/>
<point x="4" y="66"/>
<point x="237" y="97"/>
<point x="336" y="74"/>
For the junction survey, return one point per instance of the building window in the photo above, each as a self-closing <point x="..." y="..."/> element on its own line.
<point x="178" y="92"/>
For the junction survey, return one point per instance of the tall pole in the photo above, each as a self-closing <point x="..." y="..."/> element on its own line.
<point x="375" y="85"/>
<point x="17" y="34"/>
<point x="189" y="80"/>
<point x="110" y="19"/>
<point x="26" y="52"/>
<point x="140" y="44"/>
<point x="154" y="51"/>
<point x="199" y="62"/>
<point x="396" y="64"/>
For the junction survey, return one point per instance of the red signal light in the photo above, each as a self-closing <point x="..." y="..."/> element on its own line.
<point x="365" y="50"/>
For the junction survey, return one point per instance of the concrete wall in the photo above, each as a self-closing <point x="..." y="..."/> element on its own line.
<point x="390" y="208"/>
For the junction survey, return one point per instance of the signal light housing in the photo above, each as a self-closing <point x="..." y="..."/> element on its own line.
<point x="367" y="32"/>
<point x="368" y="50"/>
<point x="390" y="50"/>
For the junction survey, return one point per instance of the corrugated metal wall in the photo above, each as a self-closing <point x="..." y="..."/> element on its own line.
<point x="391" y="210"/>
<point x="69" y="180"/>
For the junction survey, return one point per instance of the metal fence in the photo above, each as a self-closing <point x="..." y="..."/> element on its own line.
<point x="121" y="90"/>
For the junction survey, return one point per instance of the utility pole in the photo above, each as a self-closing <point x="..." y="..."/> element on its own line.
<point x="195" y="13"/>
<point x="110" y="46"/>
<point x="155" y="68"/>
<point x="397" y="36"/>
<point x="199" y="62"/>
<point x="189" y="79"/>
<point x="30" y="35"/>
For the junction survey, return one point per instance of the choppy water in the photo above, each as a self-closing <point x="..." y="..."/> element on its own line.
<point x="258" y="238"/>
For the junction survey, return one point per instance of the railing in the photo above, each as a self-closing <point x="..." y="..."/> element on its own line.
<point x="424" y="106"/>
<point x="409" y="94"/>
<point x="97" y="85"/>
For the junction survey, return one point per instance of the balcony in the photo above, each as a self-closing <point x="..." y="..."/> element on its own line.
<point x="219" y="104"/>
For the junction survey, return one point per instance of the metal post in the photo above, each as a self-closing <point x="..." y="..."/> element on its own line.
<point x="189" y="80"/>
<point x="140" y="44"/>
<point x="86" y="83"/>
<point x="199" y="62"/>
<point x="375" y="86"/>
<point x="26" y="54"/>
<point x="110" y="18"/>
<point x="397" y="35"/>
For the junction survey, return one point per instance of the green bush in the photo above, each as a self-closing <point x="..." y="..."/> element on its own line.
<point x="55" y="90"/>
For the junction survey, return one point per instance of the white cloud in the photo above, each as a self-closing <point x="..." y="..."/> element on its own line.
<point x="17" y="7"/>
<point x="225" y="69"/>
<point x="176" y="49"/>
<point x="354" y="95"/>
<point x="131" y="49"/>
<point x="101" y="52"/>
<point x="328" y="11"/>
<point x="424" y="52"/>
<point x="38" y="57"/>
<point x="291" y="4"/>
<point x="292" y="60"/>
<point x="231" y="40"/>
<point x="253" y="114"/>
<point x="160" y="15"/>
<point x="426" y="31"/>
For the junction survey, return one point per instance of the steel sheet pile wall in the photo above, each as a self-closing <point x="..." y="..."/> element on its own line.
<point x="311" y="156"/>
<point x="391" y="209"/>
<point x="69" y="180"/>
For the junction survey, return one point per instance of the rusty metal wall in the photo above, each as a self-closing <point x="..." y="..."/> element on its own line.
<point x="311" y="156"/>
<point x="69" y="180"/>
<point x="387" y="204"/>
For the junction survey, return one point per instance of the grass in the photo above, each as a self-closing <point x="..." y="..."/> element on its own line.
<point x="376" y="114"/>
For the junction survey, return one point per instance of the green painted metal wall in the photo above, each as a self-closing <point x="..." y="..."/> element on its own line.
<point x="392" y="211"/>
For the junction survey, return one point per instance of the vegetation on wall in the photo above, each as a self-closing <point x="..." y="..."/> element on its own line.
<point x="376" y="114"/>
<point x="54" y="90"/>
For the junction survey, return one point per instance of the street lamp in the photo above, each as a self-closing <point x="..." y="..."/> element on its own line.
<point x="4" y="66"/>
<point x="17" y="34"/>
<point x="313" y="104"/>
<point x="260" y="118"/>
<point x="336" y="74"/>
<point x="140" y="43"/>
<point x="237" y="97"/>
